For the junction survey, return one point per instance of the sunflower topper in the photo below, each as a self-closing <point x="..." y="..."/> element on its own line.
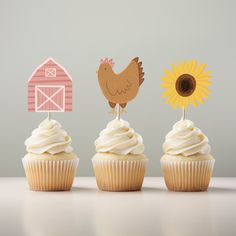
<point x="187" y="83"/>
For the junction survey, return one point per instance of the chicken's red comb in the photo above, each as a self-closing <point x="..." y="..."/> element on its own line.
<point x="107" y="61"/>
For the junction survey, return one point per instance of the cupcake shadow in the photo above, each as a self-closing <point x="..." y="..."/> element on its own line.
<point x="152" y="189"/>
<point x="96" y="190"/>
<point x="222" y="190"/>
<point x="83" y="189"/>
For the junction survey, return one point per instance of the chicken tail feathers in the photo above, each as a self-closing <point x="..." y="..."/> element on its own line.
<point x="140" y="69"/>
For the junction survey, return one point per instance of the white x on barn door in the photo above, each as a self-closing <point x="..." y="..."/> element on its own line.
<point x="50" y="98"/>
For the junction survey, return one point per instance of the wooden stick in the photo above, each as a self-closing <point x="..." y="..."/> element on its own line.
<point x="183" y="114"/>
<point x="49" y="116"/>
<point x="118" y="112"/>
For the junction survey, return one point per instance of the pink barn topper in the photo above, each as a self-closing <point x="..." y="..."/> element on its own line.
<point x="50" y="88"/>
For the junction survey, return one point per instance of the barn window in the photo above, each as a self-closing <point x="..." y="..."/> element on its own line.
<point x="50" y="72"/>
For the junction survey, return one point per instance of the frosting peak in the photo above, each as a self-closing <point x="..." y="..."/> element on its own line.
<point x="119" y="138"/>
<point x="185" y="139"/>
<point x="50" y="138"/>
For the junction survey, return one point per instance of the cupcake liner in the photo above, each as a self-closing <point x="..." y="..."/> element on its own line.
<point x="119" y="175"/>
<point x="50" y="175"/>
<point x="187" y="176"/>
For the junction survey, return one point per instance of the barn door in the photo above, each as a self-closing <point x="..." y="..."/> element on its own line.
<point x="50" y="98"/>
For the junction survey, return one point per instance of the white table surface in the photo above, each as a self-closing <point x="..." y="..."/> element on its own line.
<point x="86" y="211"/>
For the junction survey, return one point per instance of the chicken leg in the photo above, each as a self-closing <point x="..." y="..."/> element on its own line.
<point x="112" y="105"/>
<point x="123" y="105"/>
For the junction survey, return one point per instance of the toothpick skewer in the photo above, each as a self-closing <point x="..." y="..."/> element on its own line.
<point x="49" y="115"/>
<point x="118" y="112"/>
<point x="183" y="114"/>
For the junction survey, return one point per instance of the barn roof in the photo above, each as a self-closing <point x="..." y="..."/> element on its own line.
<point x="46" y="62"/>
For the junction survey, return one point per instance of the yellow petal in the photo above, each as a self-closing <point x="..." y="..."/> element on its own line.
<point x="203" y="78"/>
<point x="166" y="79"/>
<point x="175" y="70"/>
<point x="198" y="97"/>
<point x="204" y="83"/>
<point x="169" y="74"/>
<point x="180" y="68"/>
<point x="186" y="67"/>
<point x="203" y="89"/>
<point x="203" y="94"/>
<point x="168" y="92"/>
<point x="193" y="101"/>
<point x="166" y="85"/>
<point x="205" y="73"/>
<point x="193" y="65"/>
<point x="168" y="100"/>
<point x="173" y="100"/>
<point x="199" y="70"/>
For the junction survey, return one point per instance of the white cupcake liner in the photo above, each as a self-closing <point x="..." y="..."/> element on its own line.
<point x="190" y="175"/>
<point x="50" y="175"/>
<point x="119" y="175"/>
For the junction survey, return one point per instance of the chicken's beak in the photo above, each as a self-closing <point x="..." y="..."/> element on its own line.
<point x="96" y="72"/>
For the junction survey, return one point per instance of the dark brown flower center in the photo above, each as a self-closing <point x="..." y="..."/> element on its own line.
<point x="185" y="85"/>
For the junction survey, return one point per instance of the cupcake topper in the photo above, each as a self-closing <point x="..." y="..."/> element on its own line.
<point x="50" y="89"/>
<point x="120" y="88"/>
<point x="186" y="84"/>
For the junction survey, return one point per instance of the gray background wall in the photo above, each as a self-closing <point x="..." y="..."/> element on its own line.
<point x="78" y="33"/>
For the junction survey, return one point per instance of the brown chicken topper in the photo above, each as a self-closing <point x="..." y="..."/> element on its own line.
<point x="122" y="87"/>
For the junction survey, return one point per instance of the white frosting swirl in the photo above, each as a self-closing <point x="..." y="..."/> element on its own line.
<point x="120" y="139"/>
<point x="185" y="139"/>
<point x="49" y="138"/>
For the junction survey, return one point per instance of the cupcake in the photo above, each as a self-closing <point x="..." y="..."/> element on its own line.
<point x="187" y="164"/>
<point x="50" y="164"/>
<point x="119" y="163"/>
